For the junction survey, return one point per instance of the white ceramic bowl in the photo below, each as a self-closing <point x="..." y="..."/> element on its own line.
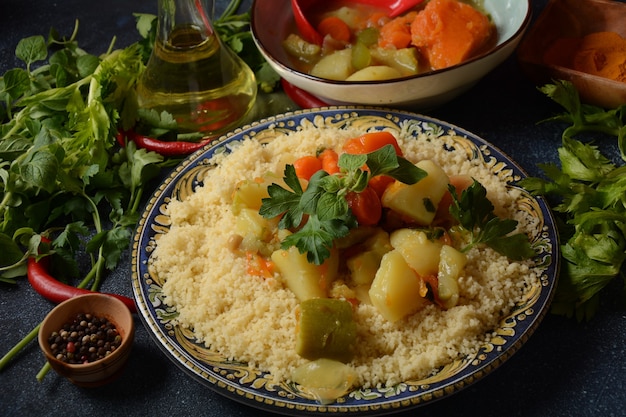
<point x="272" y="21"/>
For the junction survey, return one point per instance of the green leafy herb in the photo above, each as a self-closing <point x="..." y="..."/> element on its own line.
<point x="475" y="215"/>
<point x="60" y="169"/>
<point x="590" y="196"/>
<point x="323" y="205"/>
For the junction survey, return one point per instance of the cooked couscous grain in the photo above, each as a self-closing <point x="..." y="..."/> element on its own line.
<point x="252" y="319"/>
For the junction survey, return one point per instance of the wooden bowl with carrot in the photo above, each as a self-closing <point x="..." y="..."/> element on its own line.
<point x="581" y="41"/>
<point x="420" y="59"/>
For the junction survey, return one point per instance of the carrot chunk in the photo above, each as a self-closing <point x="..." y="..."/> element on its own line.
<point x="370" y="142"/>
<point x="335" y="27"/>
<point x="448" y="32"/>
<point x="306" y="166"/>
<point x="330" y="161"/>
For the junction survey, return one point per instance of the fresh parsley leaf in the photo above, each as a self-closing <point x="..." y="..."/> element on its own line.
<point x="316" y="238"/>
<point x="474" y="212"/>
<point x="284" y="202"/>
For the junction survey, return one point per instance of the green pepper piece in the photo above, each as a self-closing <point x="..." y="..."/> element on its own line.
<point x="326" y="329"/>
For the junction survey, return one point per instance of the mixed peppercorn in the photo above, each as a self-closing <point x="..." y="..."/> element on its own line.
<point x="86" y="338"/>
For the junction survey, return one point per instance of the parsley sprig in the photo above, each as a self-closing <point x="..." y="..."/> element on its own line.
<point x="323" y="207"/>
<point x="589" y="194"/>
<point x="475" y="215"/>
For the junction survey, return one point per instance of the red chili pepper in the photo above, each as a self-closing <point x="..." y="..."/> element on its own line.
<point x="53" y="290"/>
<point x="165" y="148"/>
<point x="301" y="97"/>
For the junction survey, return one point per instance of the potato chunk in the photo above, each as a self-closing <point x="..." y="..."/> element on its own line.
<point x="418" y="201"/>
<point x="375" y="73"/>
<point x="250" y="222"/>
<point x="364" y="265"/>
<point x="249" y="194"/>
<point x="451" y="264"/>
<point x="336" y="66"/>
<point x="395" y="291"/>
<point x="419" y="252"/>
<point x="304" y="279"/>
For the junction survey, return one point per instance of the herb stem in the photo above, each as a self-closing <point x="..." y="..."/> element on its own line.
<point x="232" y="7"/>
<point x="43" y="371"/>
<point x="572" y="131"/>
<point x="5" y="201"/>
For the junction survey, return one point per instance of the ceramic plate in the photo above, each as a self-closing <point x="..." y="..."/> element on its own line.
<point x="245" y="384"/>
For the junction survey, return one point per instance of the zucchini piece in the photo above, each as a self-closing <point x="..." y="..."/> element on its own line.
<point x="326" y="329"/>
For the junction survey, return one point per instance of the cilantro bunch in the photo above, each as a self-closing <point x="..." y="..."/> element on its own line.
<point x="61" y="172"/>
<point x="590" y="196"/>
<point x="320" y="214"/>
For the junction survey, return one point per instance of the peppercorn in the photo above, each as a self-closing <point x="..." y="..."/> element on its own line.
<point x="86" y="338"/>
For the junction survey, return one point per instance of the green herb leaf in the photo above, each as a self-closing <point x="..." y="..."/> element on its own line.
<point x="589" y="193"/>
<point x="15" y="82"/>
<point x="474" y="212"/>
<point x="31" y="49"/>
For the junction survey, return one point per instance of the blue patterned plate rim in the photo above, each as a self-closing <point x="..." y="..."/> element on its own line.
<point x="236" y="381"/>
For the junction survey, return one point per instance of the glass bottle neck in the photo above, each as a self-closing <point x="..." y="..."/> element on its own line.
<point x="179" y="17"/>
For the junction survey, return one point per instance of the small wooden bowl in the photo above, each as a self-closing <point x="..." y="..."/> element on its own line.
<point x="574" y="19"/>
<point x="102" y="371"/>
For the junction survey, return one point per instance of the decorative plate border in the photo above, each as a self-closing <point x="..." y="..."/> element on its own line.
<point x="239" y="382"/>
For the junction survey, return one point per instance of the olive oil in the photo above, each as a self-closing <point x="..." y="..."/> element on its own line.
<point x="202" y="83"/>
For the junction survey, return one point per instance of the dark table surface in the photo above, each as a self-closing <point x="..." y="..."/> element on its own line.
<point x="565" y="369"/>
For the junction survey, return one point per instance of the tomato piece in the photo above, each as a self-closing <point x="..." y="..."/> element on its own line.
<point x="365" y="206"/>
<point x="460" y="183"/>
<point x="380" y="183"/>
<point x="306" y="166"/>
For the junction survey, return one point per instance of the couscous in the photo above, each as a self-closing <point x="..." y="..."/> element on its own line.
<point x="253" y="319"/>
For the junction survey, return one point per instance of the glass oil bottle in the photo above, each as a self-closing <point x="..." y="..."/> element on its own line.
<point x="192" y="75"/>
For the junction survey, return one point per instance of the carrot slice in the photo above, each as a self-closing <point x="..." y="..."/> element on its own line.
<point x="306" y="166"/>
<point x="330" y="161"/>
<point x="335" y="27"/>
<point x="370" y="142"/>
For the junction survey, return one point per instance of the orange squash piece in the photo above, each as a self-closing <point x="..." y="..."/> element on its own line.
<point x="397" y="32"/>
<point x="448" y="32"/>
